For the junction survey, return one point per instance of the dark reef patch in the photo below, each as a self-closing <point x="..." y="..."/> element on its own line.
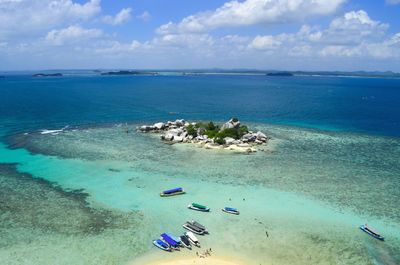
<point x="33" y="203"/>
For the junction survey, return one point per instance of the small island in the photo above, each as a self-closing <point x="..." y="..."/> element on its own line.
<point x="279" y="74"/>
<point x="231" y="135"/>
<point x="47" y="75"/>
<point x="124" y="72"/>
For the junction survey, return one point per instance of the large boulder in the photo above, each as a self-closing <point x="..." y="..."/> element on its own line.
<point x="177" y="139"/>
<point x="201" y="131"/>
<point x="230" y="124"/>
<point x="159" y="125"/>
<point x="168" y="137"/>
<point x="249" y="137"/>
<point x="229" y="140"/>
<point x="145" y="128"/>
<point x="180" y="122"/>
<point x="175" y="132"/>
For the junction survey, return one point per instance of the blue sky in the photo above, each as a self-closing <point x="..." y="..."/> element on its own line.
<point x="260" y="34"/>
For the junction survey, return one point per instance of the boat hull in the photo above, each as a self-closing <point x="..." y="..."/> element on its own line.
<point x="364" y="229"/>
<point x="172" y="194"/>
<point x="198" y="209"/>
<point x="168" y="249"/>
<point x="231" y="212"/>
<point x="202" y="232"/>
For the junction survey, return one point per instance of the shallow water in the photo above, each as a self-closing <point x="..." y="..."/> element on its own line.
<point x="298" y="189"/>
<point x="89" y="195"/>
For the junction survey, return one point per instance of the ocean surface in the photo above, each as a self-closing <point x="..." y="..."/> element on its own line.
<point x="89" y="194"/>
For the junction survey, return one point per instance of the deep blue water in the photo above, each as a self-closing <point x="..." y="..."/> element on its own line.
<point x="367" y="105"/>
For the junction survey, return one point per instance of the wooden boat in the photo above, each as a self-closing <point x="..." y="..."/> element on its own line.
<point x="161" y="245"/>
<point x="198" y="207"/>
<point x="194" y="229"/>
<point x="230" y="210"/>
<point x="171" y="242"/>
<point x="193" y="239"/>
<point x="185" y="241"/>
<point x="172" y="192"/>
<point x="372" y="232"/>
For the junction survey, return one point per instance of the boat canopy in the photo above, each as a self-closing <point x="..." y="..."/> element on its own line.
<point x="162" y="243"/>
<point x="199" y="206"/>
<point x="231" y="209"/>
<point x="173" y="190"/>
<point x="169" y="240"/>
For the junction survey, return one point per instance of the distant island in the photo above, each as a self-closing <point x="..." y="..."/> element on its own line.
<point x="231" y="135"/>
<point x="280" y="74"/>
<point x="124" y="72"/>
<point x="47" y="75"/>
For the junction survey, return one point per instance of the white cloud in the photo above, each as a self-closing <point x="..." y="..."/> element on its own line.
<point x="30" y="17"/>
<point x="122" y="17"/>
<point x="72" y="34"/>
<point x="251" y="12"/>
<point x="393" y="2"/>
<point x="145" y="16"/>
<point x="265" y="43"/>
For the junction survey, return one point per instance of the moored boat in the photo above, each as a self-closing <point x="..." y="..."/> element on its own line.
<point x="198" y="207"/>
<point x="172" y="192"/>
<point x="171" y="242"/>
<point x="230" y="210"/>
<point x="372" y="232"/>
<point x="185" y="241"/>
<point x="193" y="228"/>
<point x="192" y="238"/>
<point x="161" y="245"/>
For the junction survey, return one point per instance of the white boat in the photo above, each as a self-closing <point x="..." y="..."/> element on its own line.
<point x="193" y="239"/>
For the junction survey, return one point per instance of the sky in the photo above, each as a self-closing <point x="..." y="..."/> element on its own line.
<point x="325" y="35"/>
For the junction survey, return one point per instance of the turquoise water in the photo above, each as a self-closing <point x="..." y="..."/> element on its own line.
<point x="89" y="195"/>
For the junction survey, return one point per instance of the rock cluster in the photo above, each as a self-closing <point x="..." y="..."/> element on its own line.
<point x="177" y="132"/>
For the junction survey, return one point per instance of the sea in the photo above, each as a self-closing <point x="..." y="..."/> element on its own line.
<point x="88" y="192"/>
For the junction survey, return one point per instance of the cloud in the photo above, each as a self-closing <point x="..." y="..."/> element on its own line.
<point x="265" y="43"/>
<point x="145" y="16"/>
<point x="32" y="17"/>
<point x="122" y="17"/>
<point x="393" y="2"/>
<point x="251" y="12"/>
<point x="72" y="34"/>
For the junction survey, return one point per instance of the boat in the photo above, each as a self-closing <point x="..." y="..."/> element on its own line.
<point x="193" y="239"/>
<point x="372" y="232"/>
<point x="202" y="227"/>
<point x="177" y="239"/>
<point x="171" y="242"/>
<point x="172" y="192"/>
<point x="230" y="210"/>
<point x="161" y="245"/>
<point x="185" y="241"/>
<point x="193" y="228"/>
<point x="198" y="207"/>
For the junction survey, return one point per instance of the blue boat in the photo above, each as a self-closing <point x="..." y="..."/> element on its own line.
<point x="370" y="231"/>
<point x="161" y="245"/>
<point x="172" y="192"/>
<point x="167" y="238"/>
<point x="231" y="210"/>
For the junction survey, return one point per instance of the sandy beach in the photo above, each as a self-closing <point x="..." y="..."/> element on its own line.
<point x="153" y="259"/>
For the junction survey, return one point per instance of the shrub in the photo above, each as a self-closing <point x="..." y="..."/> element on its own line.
<point x="234" y="119"/>
<point x="191" y="130"/>
<point x="219" y="140"/>
<point x="243" y="130"/>
<point x="232" y="132"/>
<point x="211" y="126"/>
